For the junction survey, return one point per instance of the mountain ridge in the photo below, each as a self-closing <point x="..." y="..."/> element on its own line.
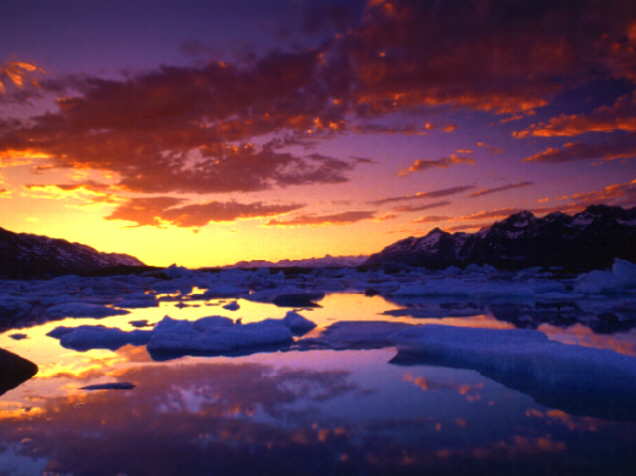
<point x="590" y="239"/>
<point x="25" y="255"/>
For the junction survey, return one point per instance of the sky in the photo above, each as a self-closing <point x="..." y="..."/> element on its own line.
<point x="203" y="133"/>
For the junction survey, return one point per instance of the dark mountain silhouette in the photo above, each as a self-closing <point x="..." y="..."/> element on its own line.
<point x="588" y="240"/>
<point x="24" y="255"/>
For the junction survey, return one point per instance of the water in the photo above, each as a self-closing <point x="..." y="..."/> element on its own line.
<point x="315" y="412"/>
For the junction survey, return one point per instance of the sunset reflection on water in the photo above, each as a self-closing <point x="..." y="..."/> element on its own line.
<point x="311" y="412"/>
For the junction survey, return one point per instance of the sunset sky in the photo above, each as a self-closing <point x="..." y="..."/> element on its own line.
<point x="204" y="133"/>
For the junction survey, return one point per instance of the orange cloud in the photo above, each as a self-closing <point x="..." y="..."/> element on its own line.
<point x="620" y="116"/>
<point x="158" y="211"/>
<point x="343" y="218"/>
<point x="488" y="147"/>
<point x="89" y="192"/>
<point x="18" y="73"/>
<point x="619" y="148"/>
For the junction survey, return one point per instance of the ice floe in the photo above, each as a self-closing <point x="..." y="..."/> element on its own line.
<point x="98" y="337"/>
<point x="82" y="309"/>
<point x="580" y="380"/>
<point x="110" y="386"/>
<point x="215" y="336"/>
<point x="620" y="278"/>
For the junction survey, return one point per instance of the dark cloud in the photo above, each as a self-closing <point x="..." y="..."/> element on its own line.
<point x="464" y="227"/>
<point x="418" y="208"/>
<point x="157" y="211"/>
<point x="620" y="194"/>
<point x="228" y="127"/>
<point x="342" y="218"/>
<point x="500" y="212"/>
<point x="442" y="163"/>
<point x="503" y="188"/>
<point x="444" y="192"/>
<point x="431" y="219"/>
<point x="413" y="53"/>
<point x="623" y="147"/>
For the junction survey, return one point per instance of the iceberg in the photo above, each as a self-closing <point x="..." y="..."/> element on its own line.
<point x="215" y="336"/>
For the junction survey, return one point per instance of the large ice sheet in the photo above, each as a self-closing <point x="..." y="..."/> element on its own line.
<point x="580" y="380"/>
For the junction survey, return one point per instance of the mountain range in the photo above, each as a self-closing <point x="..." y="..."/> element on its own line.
<point x="324" y="262"/>
<point x="587" y="240"/>
<point x="23" y="255"/>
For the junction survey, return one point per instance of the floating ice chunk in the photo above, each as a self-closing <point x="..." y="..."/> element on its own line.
<point x="110" y="386"/>
<point x="621" y="277"/>
<point x="97" y="337"/>
<point x="214" y="337"/>
<point x="412" y="289"/>
<point x="224" y="290"/>
<point x="580" y="380"/>
<point x="232" y="306"/>
<point x="625" y="272"/>
<point x="138" y="300"/>
<point x="298" y="324"/>
<point x="461" y="287"/>
<point x="82" y="309"/>
<point x="212" y="322"/>
<point x="303" y="299"/>
<point x="139" y="323"/>
<point x="357" y="335"/>
<point x="12" y="307"/>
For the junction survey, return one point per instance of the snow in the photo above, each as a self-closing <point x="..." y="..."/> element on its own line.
<point x="429" y="241"/>
<point x="627" y="222"/>
<point x="582" y="219"/>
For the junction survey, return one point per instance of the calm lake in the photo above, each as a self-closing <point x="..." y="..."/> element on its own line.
<point x="302" y="412"/>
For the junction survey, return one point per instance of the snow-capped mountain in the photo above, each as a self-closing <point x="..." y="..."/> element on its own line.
<point x="324" y="262"/>
<point x="587" y="240"/>
<point x="24" y="255"/>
